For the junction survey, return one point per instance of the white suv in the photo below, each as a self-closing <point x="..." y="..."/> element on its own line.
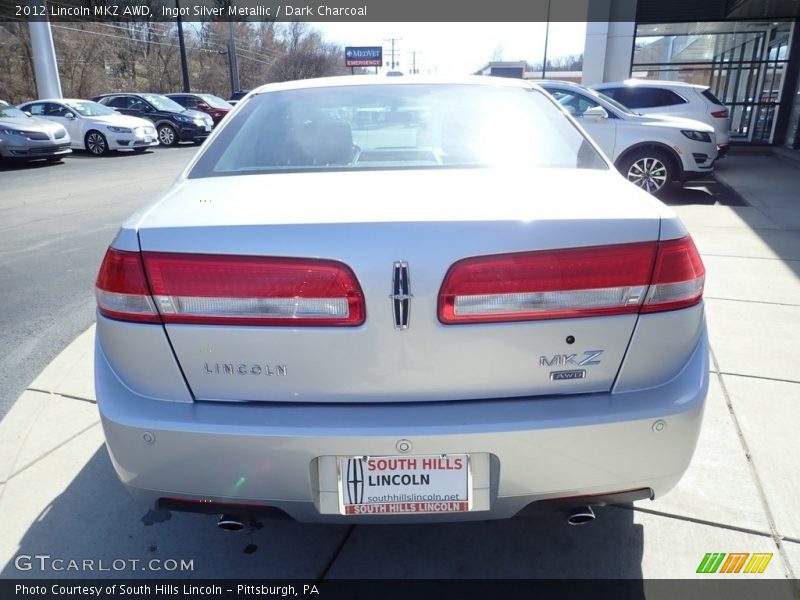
<point x="673" y="98"/>
<point x="649" y="151"/>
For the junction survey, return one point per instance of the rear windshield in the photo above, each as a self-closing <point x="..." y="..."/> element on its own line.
<point x="214" y="101"/>
<point x="405" y="126"/>
<point x="711" y="97"/>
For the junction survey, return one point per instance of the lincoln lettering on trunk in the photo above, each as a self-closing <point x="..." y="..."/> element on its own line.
<point x="244" y="369"/>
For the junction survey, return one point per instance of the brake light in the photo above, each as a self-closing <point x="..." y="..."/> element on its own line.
<point x="576" y="282"/>
<point x="678" y="277"/>
<point x="121" y="288"/>
<point x="720" y="114"/>
<point x="232" y="290"/>
<point x="253" y="290"/>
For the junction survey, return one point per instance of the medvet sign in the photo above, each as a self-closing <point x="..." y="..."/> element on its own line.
<point x="363" y="56"/>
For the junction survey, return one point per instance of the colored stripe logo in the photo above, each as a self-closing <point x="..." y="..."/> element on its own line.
<point x="734" y="562"/>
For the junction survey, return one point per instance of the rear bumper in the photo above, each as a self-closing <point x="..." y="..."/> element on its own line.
<point x="524" y="450"/>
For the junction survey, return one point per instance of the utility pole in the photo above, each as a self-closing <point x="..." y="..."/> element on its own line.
<point x="393" y="40"/>
<point x="181" y="43"/>
<point x="546" y="35"/>
<point x="414" y="69"/>
<point x="234" y="67"/>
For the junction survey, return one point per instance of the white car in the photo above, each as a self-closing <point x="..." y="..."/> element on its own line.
<point x="454" y="311"/>
<point x="649" y="151"/>
<point x="94" y="127"/>
<point x="676" y="99"/>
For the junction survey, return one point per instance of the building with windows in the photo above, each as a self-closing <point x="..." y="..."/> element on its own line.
<point x="746" y="51"/>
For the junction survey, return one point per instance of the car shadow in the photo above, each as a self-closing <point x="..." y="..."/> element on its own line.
<point x="94" y="518"/>
<point x="708" y="192"/>
<point x="26" y="165"/>
<point x="86" y="155"/>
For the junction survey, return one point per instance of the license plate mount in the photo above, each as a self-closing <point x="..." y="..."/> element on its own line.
<point x="390" y="485"/>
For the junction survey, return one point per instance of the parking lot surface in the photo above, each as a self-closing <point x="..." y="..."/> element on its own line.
<point x="59" y="494"/>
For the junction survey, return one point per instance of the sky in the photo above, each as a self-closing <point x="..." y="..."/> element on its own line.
<point x="459" y="48"/>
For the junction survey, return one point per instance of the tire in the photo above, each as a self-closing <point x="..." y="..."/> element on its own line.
<point x="651" y="170"/>
<point x="167" y="136"/>
<point x="96" y="143"/>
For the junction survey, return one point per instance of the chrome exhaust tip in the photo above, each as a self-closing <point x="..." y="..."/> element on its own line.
<point x="230" y="523"/>
<point x="580" y="516"/>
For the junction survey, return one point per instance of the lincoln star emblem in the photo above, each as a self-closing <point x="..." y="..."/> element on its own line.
<point x="355" y="481"/>
<point x="401" y="294"/>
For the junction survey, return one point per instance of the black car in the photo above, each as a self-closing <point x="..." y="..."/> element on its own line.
<point x="173" y="122"/>
<point x="236" y="96"/>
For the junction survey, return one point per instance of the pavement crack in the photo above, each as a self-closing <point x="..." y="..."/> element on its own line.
<point x="70" y="396"/>
<point x="698" y="521"/>
<point x="717" y="298"/>
<point x="778" y="379"/>
<point x="335" y="555"/>
<point x="51" y="451"/>
<point x="776" y="537"/>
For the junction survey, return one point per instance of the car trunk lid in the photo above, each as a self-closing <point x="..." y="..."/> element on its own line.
<point x="425" y="222"/>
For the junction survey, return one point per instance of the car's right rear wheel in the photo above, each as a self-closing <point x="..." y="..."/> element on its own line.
<point x="651" y="170"/>
<point x="167" y="135"/>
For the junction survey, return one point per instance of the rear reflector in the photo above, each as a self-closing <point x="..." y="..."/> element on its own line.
<point x="720" y="114"/>
<point x="246" y="290"/>
<point x="578" y="282"/>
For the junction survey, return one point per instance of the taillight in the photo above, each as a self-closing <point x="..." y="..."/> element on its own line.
<point x="233" y="290"/>
<point x="253" y="290"/>
<point x="678" y="277"/>
<point x="576" y="282"/>
<point x="720" y="114"/>
<point x="121" y="288"/>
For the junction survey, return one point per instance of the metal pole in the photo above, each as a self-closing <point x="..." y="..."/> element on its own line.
<point x="234" y="68"/>
<point x="45" y="66"/>
<point x="546" y="35"/>
<point x="184" y="64"/>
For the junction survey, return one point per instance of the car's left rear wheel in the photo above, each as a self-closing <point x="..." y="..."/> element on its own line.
<point x="96" y="143"/>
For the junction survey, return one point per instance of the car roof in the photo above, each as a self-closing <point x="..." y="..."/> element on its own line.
<point x="61" y="100"/>
<point x="650" y="83"/>
<point x="356" y="80"/>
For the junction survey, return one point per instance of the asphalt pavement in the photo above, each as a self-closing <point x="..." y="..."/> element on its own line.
<point x="60" y="497"/>
<point x="56" y="221"/>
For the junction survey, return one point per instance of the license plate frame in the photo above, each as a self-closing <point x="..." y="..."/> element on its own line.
<point x="451" y="493"/>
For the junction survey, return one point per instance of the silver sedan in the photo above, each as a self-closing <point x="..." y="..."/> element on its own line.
<point x="24" y="137"/>
<point x="399" y="300"/>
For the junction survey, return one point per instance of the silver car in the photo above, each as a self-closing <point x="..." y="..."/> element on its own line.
<point x="386" y="320"/>
<point x="28" y="138"/>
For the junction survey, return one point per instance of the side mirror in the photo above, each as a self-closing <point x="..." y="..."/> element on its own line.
<point x="202" y="106"/>
<point x="70" y="116"/>
<point x="27" y="112"/>
<point x="595" y="112"/>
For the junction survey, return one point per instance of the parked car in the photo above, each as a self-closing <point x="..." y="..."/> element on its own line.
<point x="236" y="96"/>
<point x="453" y="317"/>
<point x="24" y="137"/>
<point x="649" y="151"/>
<point x="673" y="98"/>
<point x="94" y="127"/>
<point x="173" y="123"/>
<point x="210" y="104"/>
